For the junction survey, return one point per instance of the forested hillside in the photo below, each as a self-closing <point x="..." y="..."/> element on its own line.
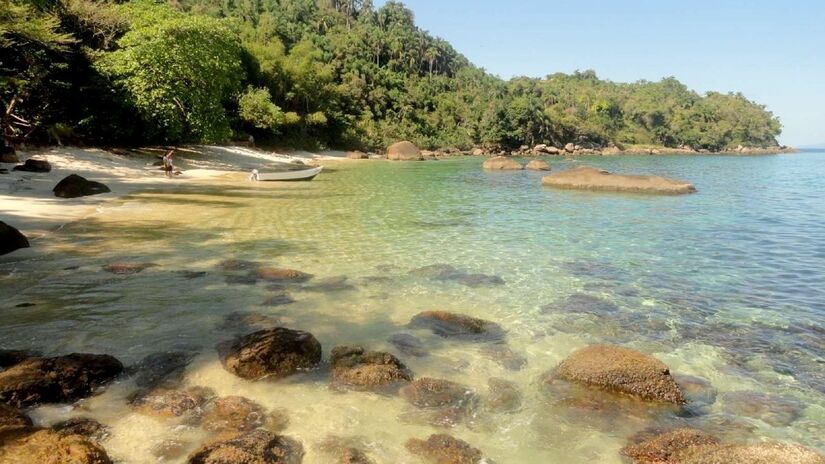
<point x="327" y="72"/>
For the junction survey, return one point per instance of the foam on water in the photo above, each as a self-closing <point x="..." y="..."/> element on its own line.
<point x="721" y="285"/>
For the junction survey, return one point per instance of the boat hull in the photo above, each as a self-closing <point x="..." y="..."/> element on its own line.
<point x="290" y="176"/>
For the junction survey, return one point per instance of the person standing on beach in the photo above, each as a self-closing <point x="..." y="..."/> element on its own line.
<point x="168" y="165"/>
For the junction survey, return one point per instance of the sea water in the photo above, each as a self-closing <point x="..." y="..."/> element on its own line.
<point x="727" y="284"/>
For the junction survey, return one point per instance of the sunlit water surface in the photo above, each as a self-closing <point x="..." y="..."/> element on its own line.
<point x="727" y="284"/>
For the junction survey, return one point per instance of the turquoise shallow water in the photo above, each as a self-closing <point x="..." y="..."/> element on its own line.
<point x="725" y="284"/>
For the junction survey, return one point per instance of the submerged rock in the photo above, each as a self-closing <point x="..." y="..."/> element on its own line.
<point x="502" y="354"/>
<point x="277" y="352"/>
<point x="502" y="163"/>
<point x="74" y="186"/>
<point x="34" y="165"/>
<point x="438" y="393"/>
<point x="622" y="370"/>
<point x="170" y="449"/>
<point x="503" y="396"/>
<point x="280" y="299"/>
<point x="446" y="272"/>
<point x="11" y="239"/>
<point x="158" y="368"/>
<point x="83" y="426"/>
<point x="698" y="392"/>
<point x="778" y="411"/>
<point x="56" y="380"/>
<point x="584" y="304"/>
<point x="353" y="366"/>
<point x="587" y="178"/>
<point x="660" y="448"/>
<point x="444" y="449"/>
<point x="233" y="413"/>
<point x="479" y="280"/>
<point x="452" y="325"/>
<point x="758" y="453"/>
<point x="436" y="271"/>
<point x="404" y="151"/>
<point x="13" y="419"/>
<point x="353" y="456"/>
<point x="248" y="321"/>
<point x="47" y="447"/>
<point x="238" y="265"/>
<point x="538" y="165"/>
<point x="169" y="403"/>
<point x="127" y="268"/>
<point x="408" y="344"/>
<point x="256" y="447"/>
<point x="274" y="274"/>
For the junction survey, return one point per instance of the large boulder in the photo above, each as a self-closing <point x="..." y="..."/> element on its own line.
<point x="11" y="239"/>
<point x="56" y="380"/>
<point x="452" y="325"/>
<point x="7" y="154"/>
<point x="404" y="151"/>
<point x="353" y="366"/>
<point x="660" y="448"/>
<point x="588" y="178"/>
<point x="538" y="165"/>
<point x="276" y="352"/>
<point x="444" y="449"/>
<point x="502" y="163"/>
<point x="758" y="453"/>
<point x="49" y="447"/>
<point x="73" y="186"/>
<point x="621" y="370"/>
<point x="12" y="419"/>
<point x="34" y="165"/>
<point x="256" y="447"/>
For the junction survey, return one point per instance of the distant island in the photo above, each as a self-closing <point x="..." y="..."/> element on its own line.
<point x="329" y="73"/>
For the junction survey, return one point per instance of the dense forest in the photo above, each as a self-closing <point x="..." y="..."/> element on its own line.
<point x="337" y="73"/>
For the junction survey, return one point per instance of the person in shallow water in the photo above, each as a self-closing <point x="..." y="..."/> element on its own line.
<point x="168" y="165"/>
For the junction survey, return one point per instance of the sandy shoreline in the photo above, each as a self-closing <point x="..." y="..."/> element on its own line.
<point x="28" y="203"/>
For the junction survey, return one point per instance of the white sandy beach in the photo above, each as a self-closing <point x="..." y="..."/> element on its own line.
<point x="28" y="203"/>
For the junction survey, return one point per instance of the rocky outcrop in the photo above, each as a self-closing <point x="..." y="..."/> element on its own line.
<point x="758" y="453"/>
<point x="281" y="275"/>
<point x="444" y="449"/>
<point x="502" y="163"/>
<point x="171" y="403"/>
<point x="74" y="186"/>
<point x="83" y="426"/>
<point x="621" y="370"/>
<point x="661" y="448"/>
<point x="404" y="151"/>
<point x="354" y="367"/>
<point x="11" y="239"/>
<point x="588" y="178"/>
<point x="538" y="165"/>
<point x="452" y="325"/>
<point x="13" y="419"/>
<point x="34" y="165"/>
<point x="233" y="413"/>
<point x="56" y="380"/>
<point x="47" y="446"/>
<point x="256" y="447"/>
<point x="276" y="352"/>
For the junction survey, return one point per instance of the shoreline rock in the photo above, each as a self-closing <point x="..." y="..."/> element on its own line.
<point x="75" y="186"/>
<point x="502" y="163"/>
<point x="34" y="165"/>
<point x="404" y="151"/>
<point x="588" y="178"/>
<point x="48" y="446"/>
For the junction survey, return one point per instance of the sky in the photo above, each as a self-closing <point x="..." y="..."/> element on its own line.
<point x="771" y="51"/>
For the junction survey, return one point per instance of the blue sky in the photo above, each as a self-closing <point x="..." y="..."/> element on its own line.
<point x="771" y="51"/>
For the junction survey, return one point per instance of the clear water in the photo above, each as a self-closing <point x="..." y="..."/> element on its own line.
<point x="727" y="284"/>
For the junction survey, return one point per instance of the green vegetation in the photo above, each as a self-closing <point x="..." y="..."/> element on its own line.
<point x="327" y="72"/>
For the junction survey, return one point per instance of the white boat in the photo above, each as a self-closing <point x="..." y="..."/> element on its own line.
<point x="304" y="174"/>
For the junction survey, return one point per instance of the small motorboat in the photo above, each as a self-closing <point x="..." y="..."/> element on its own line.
<point x="303" y="174"/>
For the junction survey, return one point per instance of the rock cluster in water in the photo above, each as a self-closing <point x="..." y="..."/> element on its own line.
<point x="277" y="352"/>
<point x="587" y="178"/>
